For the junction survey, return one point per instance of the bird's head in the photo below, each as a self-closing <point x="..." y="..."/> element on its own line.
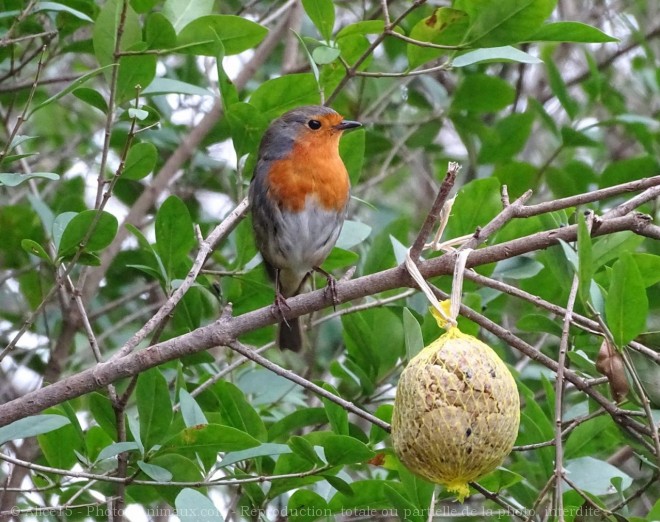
<point x="310" y="126"/>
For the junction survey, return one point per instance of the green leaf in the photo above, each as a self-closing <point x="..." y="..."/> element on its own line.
<point x="182" y="469"/>
<point x="648" y="372"/>
<point x="445" y="26"/>
<point x="302" y="447"/>
<point x="504" y="22"/>
<point x="169" y="85"/>
<point x="374" y="339"/>
<point x="159" y="33"/>
<point x="154" y="407"/>
<point x="59" y="446"/>
<point x="365" y="495"/>
<point x="236" y="411"/>
<point x="352" y="234"/>
<point x="264" y="450"/>
<point x="174" y="233"/>
<point x="155" y="472"/>
<point x="476" y="204"/>
<point x="182" y="12"/>
<point x="32" y="426"/>
<point x="140" y="161"/>
<point x="507" y="138"/>
<point x="308" y="55"/>
<point x="278" y="95"/>
<point x="570" y="32"/>
<point x="585" y="259"/>
<point x="649" y="268"/>
<point x="323" y="55"/>
<point x="520" y="267"/>
<point x="91" y="97"/>
<point x="135" y="73"/>
<point x="351" y="150"/>
<point x="403" y="505"/>
<point x="337" y="415"/>
<point x="413" y="334"/>
<point x="193" y="506"/>
<point x="228" y="91"/>
<point x="627" y="306"/>
<point x="116" y="448"/>
<point x="69" y="88"/>
<point x="78" y="228"/>
<point x="296" y="420"/>
<point x="469" y="95"/>
<point x="557" y="84"/>
<point x="138" y="114"/>
<point x="588" y="437"/>
<point x="378" y="434"/>
<point x="190" y="411"/>
<point x="209" y="438"/>
<point x="418" y="490"/>
<point x="341" y="450"/>
<point x="59" y="225"/>
<point x="537" y="323"/>
<point x="305" y="506"/>
<point x="573" y="138"/>
<point x="11" y="180"/>
<point x="105" y="32"/>
<point x="322" y="14"/>
<point x="34" y="248"/>
<point x="629" y="169"/>
<point x="500" y="479"/>
<point x="247" y="124"/>
<point x="143" y="6"/>
<point x="236" y="34"/>
<point x="595" y="476"/>
<point x="103" y="413"/>
<point x="613" y="246"/>
<point x="494" y="54"/>
<point x="57" y="7"/>
<point x="362" y="28"/>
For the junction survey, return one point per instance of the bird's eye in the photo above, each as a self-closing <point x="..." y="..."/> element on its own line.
<point x="314" y="124"/>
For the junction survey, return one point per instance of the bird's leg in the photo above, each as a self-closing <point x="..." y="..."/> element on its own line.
<point x="280" y="301"/>
<point x="331" y="289"/>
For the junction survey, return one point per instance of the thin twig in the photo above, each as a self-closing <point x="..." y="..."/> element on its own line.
<point x="207" y="246"/>
<point x="192" y="484"/>
<point x="293" y="377"/>
<point x="434" y="213"/>
<point x="559" y="399"/>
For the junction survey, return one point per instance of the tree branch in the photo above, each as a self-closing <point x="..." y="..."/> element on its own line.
<point x="227" y="329"/>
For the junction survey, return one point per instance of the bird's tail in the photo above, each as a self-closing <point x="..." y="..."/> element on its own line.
<point x="289" y="335"/>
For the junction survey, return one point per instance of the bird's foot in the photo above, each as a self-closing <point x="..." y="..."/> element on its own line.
<point x="280" y="305"/>
<point x="331" y="288"/>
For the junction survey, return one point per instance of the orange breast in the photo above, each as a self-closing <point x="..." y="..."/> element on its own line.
<point x="313" y="168"/>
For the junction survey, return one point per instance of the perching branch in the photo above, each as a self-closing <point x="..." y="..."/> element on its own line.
<point x="226" y="330"/>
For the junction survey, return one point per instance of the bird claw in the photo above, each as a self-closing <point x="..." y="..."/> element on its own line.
<point x="280" y="305"/>
<point x="331" y="292"/>
<point x="331" y="288"/>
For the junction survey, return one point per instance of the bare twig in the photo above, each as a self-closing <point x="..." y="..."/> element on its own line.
<point x="559" y="399"/>
<point x="207" y="246"/>
<point x="434" y="213"/>
<point x="122" y="480"/>
<point x="293" y="377"/>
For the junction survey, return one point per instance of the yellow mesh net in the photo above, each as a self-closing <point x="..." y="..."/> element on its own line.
<point x="456" y="411"/>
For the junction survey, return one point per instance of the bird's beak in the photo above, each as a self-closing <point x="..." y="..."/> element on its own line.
<point x="347" y="125"/>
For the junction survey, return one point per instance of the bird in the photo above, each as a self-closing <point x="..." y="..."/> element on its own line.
<point x="298" y="198"/>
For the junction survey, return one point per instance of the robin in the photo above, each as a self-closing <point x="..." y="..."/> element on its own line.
<point x="298" y="197"/>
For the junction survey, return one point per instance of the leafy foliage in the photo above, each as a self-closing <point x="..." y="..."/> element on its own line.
<point x="130" y="130"/>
